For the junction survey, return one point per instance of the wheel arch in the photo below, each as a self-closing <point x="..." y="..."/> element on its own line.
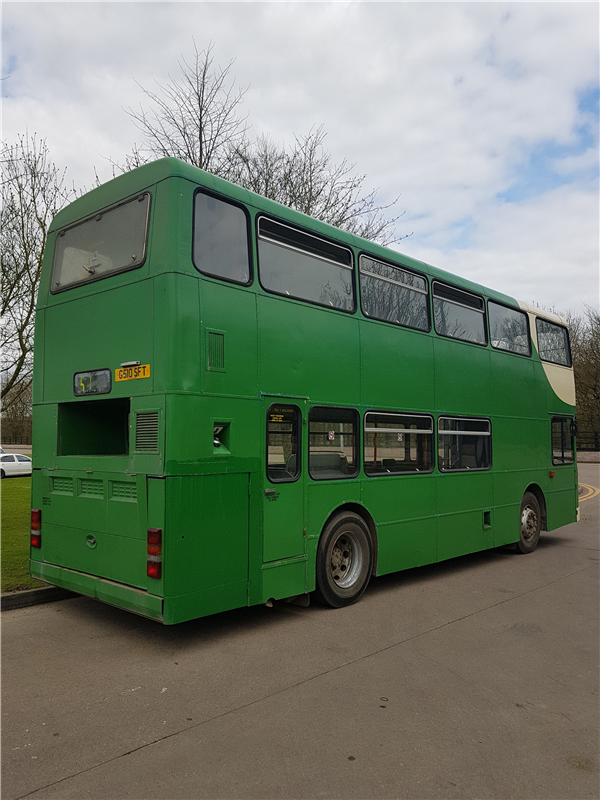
<point x="362" y="512"/>
<point x="539" y="496"/>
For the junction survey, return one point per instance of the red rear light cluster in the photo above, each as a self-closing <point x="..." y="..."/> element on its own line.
<point x="154" y="562"/>
<point x="36" y="527"/>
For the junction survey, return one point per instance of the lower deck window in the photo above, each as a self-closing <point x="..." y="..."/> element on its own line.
<point x="397" y="443"/>
<point x="283" y="443"/>
<point x="464" y="444"/>
<point x="562" y="441"/>
<point x="332" y="440"/>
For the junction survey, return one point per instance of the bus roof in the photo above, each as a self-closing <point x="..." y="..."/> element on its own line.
<point x="141" y="178"/>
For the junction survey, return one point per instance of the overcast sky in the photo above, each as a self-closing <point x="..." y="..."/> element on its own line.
<point x="482" y="116"/>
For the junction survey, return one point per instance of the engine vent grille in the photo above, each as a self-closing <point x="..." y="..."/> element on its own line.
<point x="91" y="488"/>
<point x="123" y="491"/>
<point x="146" y="432"/>
<point x="215" y="356"/>
<point x="62" y="485"/>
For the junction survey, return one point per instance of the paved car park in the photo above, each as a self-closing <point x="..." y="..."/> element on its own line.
<point x="475" y="678"/>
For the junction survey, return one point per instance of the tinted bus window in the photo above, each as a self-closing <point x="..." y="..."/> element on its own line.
<point x="392" y="294"/>
<point x="221" y="239"/>
<point x="297" y="264"/>
<point x="283" y="443"/>
<point x="458" y="314"/>
<point x="464" y="444"/>
<point x="562" y="441"/>
<point x="509" y="329"/>
<point x="332" y="439"/>
<point x="553" y="342"/>
<point x="397" y="443"/>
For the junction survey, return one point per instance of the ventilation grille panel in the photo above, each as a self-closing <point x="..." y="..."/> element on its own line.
<point x="62" y="485"/>
<point x="215" y="359"/>
<point x="91" y="488"/>
<point x="146" y="432"/>
<point x="123" y="491"/>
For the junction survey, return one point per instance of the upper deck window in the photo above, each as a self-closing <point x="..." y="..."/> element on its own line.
<point x="509" y="329"/>
<point x="297" y="264"/>
<point x="458" y="314"/>
<point x="553" y="342"/>
<point x="393" y="294"/>
<point x="221" y="239"/>
<point x="111" y="241"/>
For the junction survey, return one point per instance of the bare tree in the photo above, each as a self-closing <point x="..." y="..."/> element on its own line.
<point x="306" y="178"/>
<point x="33" y="191"/>
<point x="194" y="118"/>
<point x="584" y="333"/>
<point x="16" y="415"/>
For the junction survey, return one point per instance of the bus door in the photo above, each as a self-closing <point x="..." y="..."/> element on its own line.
<point x="283" y="513"/>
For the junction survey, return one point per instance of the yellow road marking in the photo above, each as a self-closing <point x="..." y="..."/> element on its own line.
<point x="592" y="491"/>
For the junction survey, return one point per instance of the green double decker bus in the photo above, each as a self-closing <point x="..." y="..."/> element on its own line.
<point x="235" y="403"/>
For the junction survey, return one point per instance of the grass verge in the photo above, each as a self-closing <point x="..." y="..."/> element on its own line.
<point x="16" y="509"/>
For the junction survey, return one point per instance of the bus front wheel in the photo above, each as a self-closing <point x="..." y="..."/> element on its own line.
<point x="344" y="561"/>
<point x="531" y="524"/>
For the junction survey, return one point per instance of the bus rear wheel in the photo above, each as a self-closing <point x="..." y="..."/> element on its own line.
<point x="531" y="524"/>
<point x="344" y="561"/>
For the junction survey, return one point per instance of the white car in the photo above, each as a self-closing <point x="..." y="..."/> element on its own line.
<point x="13" y="465"/>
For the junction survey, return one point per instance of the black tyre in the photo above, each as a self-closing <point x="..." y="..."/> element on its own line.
<point x="344" y="561"/>
<point x="3" y="474"/>
<point x="531" y="524"/>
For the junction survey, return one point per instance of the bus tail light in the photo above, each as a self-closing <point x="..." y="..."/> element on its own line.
<point x="154" y="562"/>
<point x="36" y="527"/>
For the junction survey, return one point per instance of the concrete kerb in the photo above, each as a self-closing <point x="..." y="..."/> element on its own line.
<point x="34" y="597"/>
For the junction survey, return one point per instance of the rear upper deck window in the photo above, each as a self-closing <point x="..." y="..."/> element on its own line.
<point x="113" y="240"/>
<point x="221" y="239"/>
<point x="297" y="264"/>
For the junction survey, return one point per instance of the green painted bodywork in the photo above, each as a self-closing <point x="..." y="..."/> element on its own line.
<point x="225" y="543"/>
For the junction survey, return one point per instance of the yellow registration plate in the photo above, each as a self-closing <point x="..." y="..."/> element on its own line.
<point x="132" y="373"/>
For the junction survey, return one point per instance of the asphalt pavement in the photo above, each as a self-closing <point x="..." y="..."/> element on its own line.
<point x="475" y="678"/>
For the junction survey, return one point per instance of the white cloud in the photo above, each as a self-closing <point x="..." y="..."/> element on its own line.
<point x="441" y="102"/>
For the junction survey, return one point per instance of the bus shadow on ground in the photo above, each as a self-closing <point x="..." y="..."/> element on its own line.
<point x="106" y="620"/>
<point x="455" y="566"/>
<point x="113" y="621"/>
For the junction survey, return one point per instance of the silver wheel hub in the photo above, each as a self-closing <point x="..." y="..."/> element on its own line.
<point x="346" y="560"/>
<point x="529" y="523"/>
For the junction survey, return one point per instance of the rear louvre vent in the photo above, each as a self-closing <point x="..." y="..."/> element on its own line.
<point x="62" y="485"/>
<point x="123" y="491"/>
<point x="146" y="432"/>
<point x="215" y="359"/>
<point x="91" y="488"/>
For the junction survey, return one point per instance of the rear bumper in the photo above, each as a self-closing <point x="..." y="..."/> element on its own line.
<point x="137" y="601"/>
